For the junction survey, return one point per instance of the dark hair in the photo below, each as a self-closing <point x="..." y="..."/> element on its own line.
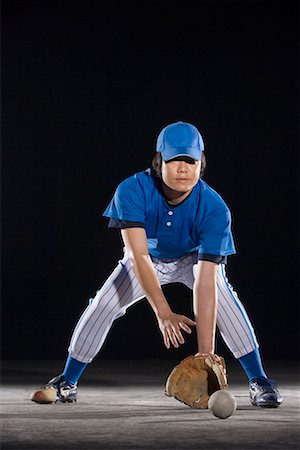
<point x="157" y="163"/>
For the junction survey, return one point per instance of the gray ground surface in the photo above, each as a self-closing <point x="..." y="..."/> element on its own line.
<point x="122" y="405"/>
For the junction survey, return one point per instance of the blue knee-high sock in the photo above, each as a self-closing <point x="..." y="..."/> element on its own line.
<point x="73" y="369"/>
<point x="252" y="365"/>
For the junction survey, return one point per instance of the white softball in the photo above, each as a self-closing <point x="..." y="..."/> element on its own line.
<point x="222" y="404"/>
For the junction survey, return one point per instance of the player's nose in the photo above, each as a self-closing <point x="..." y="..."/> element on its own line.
<point x="182" y="166"/>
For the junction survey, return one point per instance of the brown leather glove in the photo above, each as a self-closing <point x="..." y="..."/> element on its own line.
<point x="195" y="379"/>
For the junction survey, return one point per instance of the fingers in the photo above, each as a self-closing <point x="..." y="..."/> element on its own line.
<point x="173" y="339"/>
<point x="189" y="321"/>
<point x="172" y="333"/>
<point x="178" y="335"/>
<point x="183" y="324"/>
<point x="185" y="327"/>
<point x="166" y="339"/>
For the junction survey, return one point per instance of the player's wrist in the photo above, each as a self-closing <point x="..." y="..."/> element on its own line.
<point x="203" y="353"/>
<point x="206" y="350"/>
<point x="163" y="311"/>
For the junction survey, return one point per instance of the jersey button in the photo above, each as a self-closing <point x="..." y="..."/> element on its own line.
<point x="170" y="213"/>
<point x="169" y="224"/>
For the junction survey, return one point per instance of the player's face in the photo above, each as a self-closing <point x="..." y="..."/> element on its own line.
<point x="181" y="174"/>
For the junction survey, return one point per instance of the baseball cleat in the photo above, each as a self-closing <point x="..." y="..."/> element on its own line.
<point x="57" y="390"/>
<point x="264" y="392"/>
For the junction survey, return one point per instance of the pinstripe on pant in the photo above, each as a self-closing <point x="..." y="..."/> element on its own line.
<point x="122" y="290"/>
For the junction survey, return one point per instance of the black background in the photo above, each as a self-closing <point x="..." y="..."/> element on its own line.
<point x="86" y="88"/>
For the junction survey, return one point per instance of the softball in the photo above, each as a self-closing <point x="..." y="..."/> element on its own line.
<point x="222" y="404"/>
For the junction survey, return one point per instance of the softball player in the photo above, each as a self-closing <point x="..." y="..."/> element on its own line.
<point x="175" y="228"/>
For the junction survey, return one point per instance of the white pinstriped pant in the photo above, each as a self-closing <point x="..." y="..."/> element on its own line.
<point x="122" y="290"/>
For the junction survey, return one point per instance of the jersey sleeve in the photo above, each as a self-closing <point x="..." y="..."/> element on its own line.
<point x="216" y="236"/>
<point x="127" y="204"/>
<point x="212" y="258"/>
<point x="121" y="224"/>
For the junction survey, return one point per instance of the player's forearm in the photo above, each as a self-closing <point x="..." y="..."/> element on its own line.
<point x="145" y="273"/>
<point x="205" y="311"/>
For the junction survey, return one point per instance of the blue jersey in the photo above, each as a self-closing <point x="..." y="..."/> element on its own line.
<point x="202" y="222"/>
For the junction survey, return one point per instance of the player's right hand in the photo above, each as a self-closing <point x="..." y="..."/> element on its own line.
<point x="171" y="325"/>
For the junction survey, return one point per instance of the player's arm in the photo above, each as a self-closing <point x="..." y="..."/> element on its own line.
<point x="170" y="324"/>
<point x="205" y="305"/>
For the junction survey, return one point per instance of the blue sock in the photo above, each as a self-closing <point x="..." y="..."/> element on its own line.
<point x="73" y="369"/>
<point x="252" y="365"/>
